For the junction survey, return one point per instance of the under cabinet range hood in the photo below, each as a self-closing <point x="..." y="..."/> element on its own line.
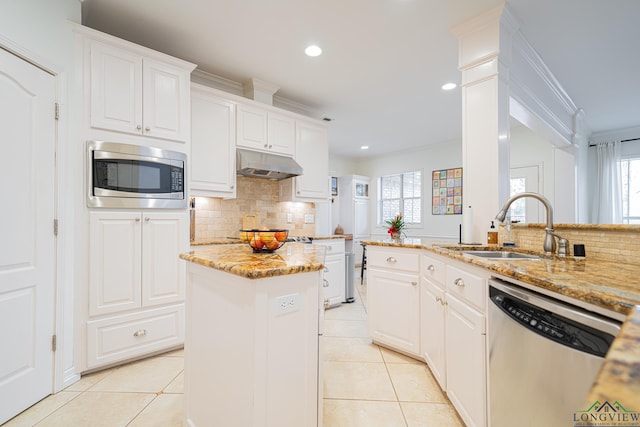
<point x="265" y="165"/>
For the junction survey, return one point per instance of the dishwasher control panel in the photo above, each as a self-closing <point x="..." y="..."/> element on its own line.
<point x="551" y="325"/>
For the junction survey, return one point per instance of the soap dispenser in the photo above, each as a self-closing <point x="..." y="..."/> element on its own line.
<point x="492" y="235"/>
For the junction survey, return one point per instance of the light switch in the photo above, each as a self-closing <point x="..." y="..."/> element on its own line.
<point x="308" y="218"/>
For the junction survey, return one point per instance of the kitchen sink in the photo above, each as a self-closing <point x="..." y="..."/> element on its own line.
<point x="506" y="255"/>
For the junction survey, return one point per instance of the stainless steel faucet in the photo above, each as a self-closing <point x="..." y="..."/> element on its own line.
<point x="549" y="245"/>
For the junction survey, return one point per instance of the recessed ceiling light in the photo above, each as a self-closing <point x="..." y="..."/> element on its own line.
<point x="313" y="50"/>
<point x="449" y="86"/>
<point x="364" y="147"/>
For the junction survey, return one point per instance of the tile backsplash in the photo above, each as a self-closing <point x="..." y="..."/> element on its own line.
<point x="617" y="243"/>
<point x="219" y="218"/>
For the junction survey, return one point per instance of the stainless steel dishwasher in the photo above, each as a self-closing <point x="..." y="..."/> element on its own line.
<point x="544" y="355"/>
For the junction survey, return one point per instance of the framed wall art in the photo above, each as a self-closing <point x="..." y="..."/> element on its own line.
<point x="446" y="196"/>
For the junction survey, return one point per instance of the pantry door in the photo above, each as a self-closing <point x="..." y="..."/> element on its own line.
<point x="27" y="242"/>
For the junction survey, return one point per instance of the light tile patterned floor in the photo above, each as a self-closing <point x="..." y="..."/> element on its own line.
<point x="364" y="386"/>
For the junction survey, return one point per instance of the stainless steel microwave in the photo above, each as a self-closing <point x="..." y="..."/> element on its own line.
<point x="134" y="176"/>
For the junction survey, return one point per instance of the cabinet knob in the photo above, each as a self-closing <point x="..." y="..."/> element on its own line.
<point x="459" y="282"/>
<point x="414" y="283"/>
<point x="266" y="145"/>
<point x="139" y="127"/>
<point x="325" y="283"/>
<point x="270" y="145"/>
<point x="137" y="219"/>
<point x="147" y="219"/>
<point x="391" y="260"/>
<point x="431" y="267"/>
<point x="232" y="187"/>
<point x="147" y="128"/>
<point x="140" y="333"/>
<point x="438" y="300"/>
<point x="326" y="269"/>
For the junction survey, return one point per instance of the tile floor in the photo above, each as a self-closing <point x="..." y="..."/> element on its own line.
<point x="364" y="385"/>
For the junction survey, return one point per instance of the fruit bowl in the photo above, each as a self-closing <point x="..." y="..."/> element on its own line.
<point x="264" y="241"/>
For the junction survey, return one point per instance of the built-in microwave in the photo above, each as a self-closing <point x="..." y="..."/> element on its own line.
<point x="134" y="176"/>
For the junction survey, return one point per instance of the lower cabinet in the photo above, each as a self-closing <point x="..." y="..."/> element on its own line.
<point x="441" y="319"/>
<point x="465" y="346"/>
<point x="432" y="330"/>
<point x="393" y="295"/>
<point x="136" y="283"/>
<point x="334" y="273"/>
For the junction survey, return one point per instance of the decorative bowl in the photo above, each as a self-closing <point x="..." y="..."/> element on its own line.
<point x="264" y="241"/>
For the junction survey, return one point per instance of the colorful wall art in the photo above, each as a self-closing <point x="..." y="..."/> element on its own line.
<point x="446" y="196"/>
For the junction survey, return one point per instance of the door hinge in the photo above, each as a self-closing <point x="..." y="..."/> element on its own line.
<point x="57" y="111"/>
<point x="55" y="227"/>
<point x="54" y="342"/>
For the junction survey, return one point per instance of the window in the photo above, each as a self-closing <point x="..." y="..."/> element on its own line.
<point x="518" y="208"/>
<point x="401" y="193"/>
<point x="630" y="190"/>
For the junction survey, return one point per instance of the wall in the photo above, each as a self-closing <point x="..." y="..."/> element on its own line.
<point x="219" y="218"/>
<point x="39" y="30"/>
<point x="426" y="159"/>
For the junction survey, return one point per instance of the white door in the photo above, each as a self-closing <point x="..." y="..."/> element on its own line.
<point x="27" y="248"/>
<point x="526" y="178"/>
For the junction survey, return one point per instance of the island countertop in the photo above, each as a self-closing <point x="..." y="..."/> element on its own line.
<point x="610" y="285"/>
<point x="239" y="259"/>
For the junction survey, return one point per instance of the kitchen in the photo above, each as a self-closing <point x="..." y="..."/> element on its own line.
<point x="71" y="270"/>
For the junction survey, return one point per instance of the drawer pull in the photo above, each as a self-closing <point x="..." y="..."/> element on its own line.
<point x="431" y="268"/>
<point x="140" y="333"/>
<point x="325" y="283"/>
<point x="459" y="282"/>
<point x="391" y="260"/>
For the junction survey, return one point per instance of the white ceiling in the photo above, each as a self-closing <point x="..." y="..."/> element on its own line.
<point x="384" y="61"/>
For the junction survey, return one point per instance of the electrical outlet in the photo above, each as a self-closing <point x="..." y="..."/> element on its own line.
<point x="287" y="303"/>
<point x="289" y="218"/>
<point x="308" y="218"/>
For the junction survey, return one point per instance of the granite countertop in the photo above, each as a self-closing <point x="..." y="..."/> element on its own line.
<point x="334" y="236"/>
<point x="240" y="260"/>
<point x="610" y="285"/>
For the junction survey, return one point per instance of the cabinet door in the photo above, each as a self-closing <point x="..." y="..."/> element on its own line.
<point x="394" y="309"/>
<point x="466" y="361"/>
<point x="312" y="153"/>
<point x="116" y="89"/>
<point x="252" y="128"/>
<point x="432" y="330"/>
<point x="166" y="101"/>
<point x="164" y="236"/>
<point x="281" y="134"/>
<point x="213" y="151"/>
<point x="114" y="262"/>
<point x="361" y="220"/>
<point x="334" y="292"/>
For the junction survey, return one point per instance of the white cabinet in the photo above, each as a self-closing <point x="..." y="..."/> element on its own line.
<point x="136" y="283"/>
<point x="393" y="298"/>
<point x="432" y="317"/>
<point x="263" y="130"/>
<point x="312" y="153"/>
<point x="136" y="94"/>
<point x="466" y="361"/>
<point x="353" y="194"/>
<point x="334" y="272"/>
<point x="213" y="140"/>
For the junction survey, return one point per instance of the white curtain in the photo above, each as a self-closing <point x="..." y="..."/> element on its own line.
<point x="607" y="201"/>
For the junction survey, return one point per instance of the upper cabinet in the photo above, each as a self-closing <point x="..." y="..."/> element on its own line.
<point x="213" y="140"/>
<point x="312" y="153"/>
<point x="137" y="91"/>
<point x="263" y="130"/>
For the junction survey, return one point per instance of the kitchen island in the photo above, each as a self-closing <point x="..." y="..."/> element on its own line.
<point x="252" y="336"/>
<point x="602" y="286"/>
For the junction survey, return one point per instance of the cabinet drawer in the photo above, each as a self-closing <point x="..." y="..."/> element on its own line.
<point x="390" y="259"/>
<point x="433" y="269"/>
<point x="334" y="246"/>
<point x="467" y="286"/>
<point x="118" y="338"/>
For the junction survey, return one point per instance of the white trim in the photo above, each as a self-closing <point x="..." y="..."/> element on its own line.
<point x="28" y="56"/>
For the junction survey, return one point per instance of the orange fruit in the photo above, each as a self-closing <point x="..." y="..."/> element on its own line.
<point x="280" y="236"/>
